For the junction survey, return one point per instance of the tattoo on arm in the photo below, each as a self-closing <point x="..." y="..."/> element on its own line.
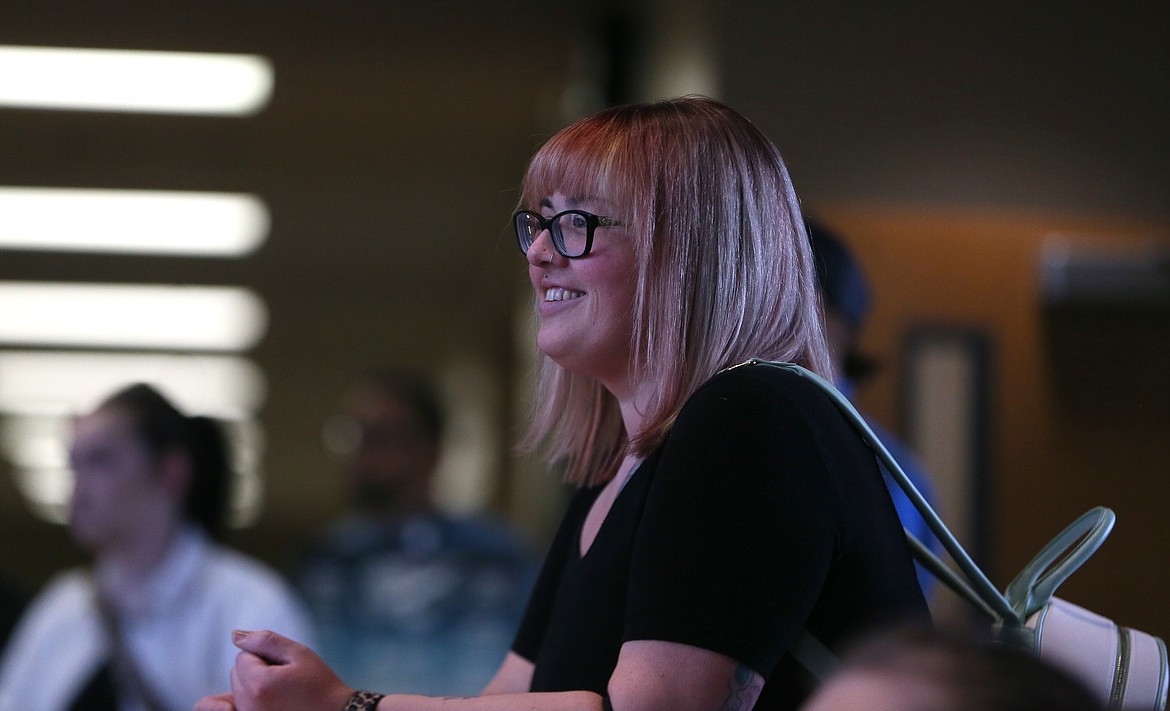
<point x="742" y="690"/>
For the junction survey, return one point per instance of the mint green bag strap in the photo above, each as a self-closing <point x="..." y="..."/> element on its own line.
<point x="1036" y="583"/>
<point x="976" y="586"/>
<point x="948" y="577"/>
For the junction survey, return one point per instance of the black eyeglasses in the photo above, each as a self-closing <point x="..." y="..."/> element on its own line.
<point x="571" y="230"/>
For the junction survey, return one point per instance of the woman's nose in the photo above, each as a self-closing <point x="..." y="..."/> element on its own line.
<point x="543" y="251"/>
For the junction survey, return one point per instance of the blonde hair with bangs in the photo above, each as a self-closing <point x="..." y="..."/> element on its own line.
<point x="725" y="272"/>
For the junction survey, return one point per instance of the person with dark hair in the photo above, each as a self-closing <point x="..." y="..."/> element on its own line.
<point x="403" y="594"/>
<point x="845" y="293"/>
<point x="145" y="629"/>
<point x="921" y="669"/>
<point x="725" y="509"/>
<point x="12" y="602"/>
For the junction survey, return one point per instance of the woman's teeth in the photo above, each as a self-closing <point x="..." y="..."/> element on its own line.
<point x="558" y="294"/>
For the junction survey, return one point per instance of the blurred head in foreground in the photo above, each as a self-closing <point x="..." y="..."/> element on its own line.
<point x="925" y="670"/>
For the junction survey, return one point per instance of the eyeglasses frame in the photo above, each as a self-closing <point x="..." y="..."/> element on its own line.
<point x="592" y="222"/>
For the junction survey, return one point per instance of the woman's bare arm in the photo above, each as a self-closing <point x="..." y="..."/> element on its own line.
<point x="513" y="677"/>
<point x="650" y="676"/>
<point x="273" y="672"/>
<point x="653" y="676"/>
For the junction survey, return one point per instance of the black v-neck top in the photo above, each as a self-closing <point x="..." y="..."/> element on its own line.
<point x="762" y="513"/>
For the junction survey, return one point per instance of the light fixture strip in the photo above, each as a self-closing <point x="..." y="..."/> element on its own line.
<point x="202" y="318"/>
<point x="134" y="80"/>
<point x="55" y="383"/>
<point x="165" y="222"/>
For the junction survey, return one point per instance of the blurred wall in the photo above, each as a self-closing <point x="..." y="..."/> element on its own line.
<point x="1078" y="398"/>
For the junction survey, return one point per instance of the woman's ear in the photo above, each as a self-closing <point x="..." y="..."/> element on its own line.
<point x="175" y="472"/>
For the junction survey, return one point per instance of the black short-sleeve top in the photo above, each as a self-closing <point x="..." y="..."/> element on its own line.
<point x="762" y="513"/>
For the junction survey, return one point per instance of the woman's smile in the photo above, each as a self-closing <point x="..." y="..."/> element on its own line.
<point x="585" y="303"/>
<point x="557" y="299"/>
<point x="557" y="293"/>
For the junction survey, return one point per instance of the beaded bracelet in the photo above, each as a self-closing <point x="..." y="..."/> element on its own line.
<point x="363" y="701"/>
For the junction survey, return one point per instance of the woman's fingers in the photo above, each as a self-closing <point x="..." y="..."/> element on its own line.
<point x="219" y="702"/>
<point x="274" y="673"/>
<point x="268" y="645"/>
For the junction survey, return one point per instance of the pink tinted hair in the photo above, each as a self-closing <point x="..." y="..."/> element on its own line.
<point x="725" y="272"/>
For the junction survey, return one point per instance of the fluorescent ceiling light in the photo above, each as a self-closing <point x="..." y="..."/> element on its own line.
<point x="132" y="221"/>
<point x="135" y="81"/>
<point x="35" y="441"/>
<point x="54" y="383"/>
<point x="47" y="491"/>
<point x="130" y="316"/>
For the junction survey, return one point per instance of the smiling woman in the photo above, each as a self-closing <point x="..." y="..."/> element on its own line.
<point x="584" y="300"/>
<point x="664" y="246"/>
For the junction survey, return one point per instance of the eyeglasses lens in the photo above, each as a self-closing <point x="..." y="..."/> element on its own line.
<point x="574" y="233"/>
<point x="570" y="231"/>
<point x="527" y="227"/>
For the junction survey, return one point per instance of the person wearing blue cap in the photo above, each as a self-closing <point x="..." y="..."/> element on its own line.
<point x="845" y="295"/>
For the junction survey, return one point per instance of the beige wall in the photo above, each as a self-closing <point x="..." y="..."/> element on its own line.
<point x="1065" y="433"/>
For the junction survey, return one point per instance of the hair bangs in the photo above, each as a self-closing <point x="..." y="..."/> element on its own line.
<point x="582" y="161"/>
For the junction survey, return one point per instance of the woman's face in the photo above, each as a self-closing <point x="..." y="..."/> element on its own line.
<point x="117" y="486"/>
<point x="586" y="304"/>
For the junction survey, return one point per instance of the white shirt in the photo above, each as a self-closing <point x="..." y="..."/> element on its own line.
<point x="178" y="630"/>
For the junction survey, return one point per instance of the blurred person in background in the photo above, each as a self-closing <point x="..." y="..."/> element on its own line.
<point x="145" y="628"/>
<point x="12" y="602"/>
<point x="845" y="296"/>
<point x="404" y="595"/>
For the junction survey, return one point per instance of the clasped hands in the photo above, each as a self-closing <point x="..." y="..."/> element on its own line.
<point x="274" y="673"/>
